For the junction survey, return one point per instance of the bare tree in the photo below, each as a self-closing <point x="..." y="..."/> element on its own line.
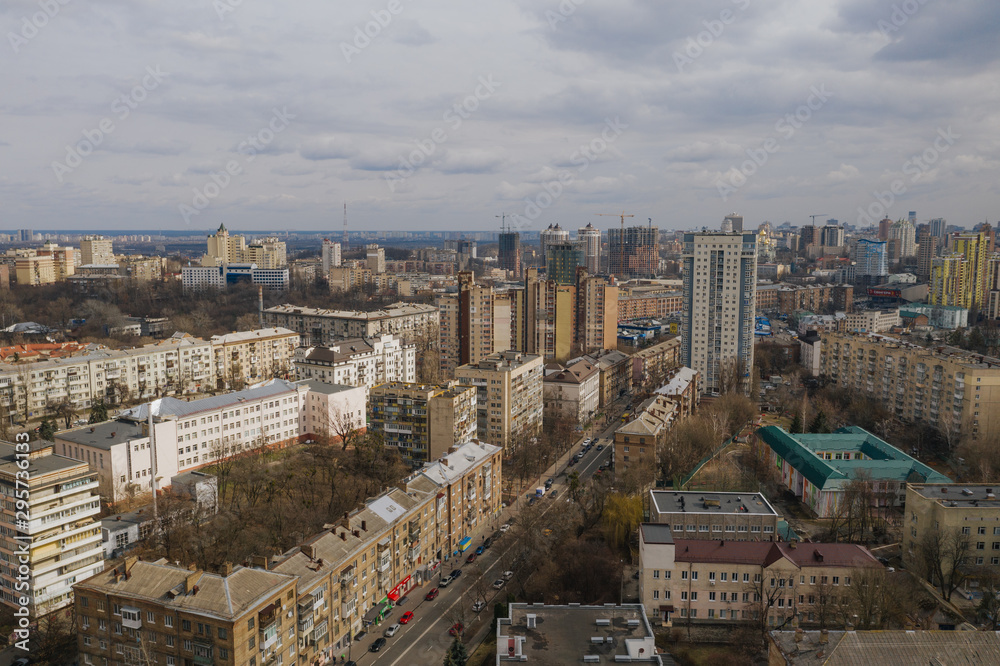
<point x="872" y="597"/>
<point x="943" y="558"/>
<point x="771" y="602"/>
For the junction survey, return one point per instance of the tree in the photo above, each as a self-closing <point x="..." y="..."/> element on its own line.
<point x="989" y="606"/>
<point x="46" y="430"/>
<point x="767" y="609"/>
<point x="98" y="412"/>
<point x="943" y="558"/>
<point x="796" y="426"/>
<point x="872" y="597"/>
<point x="622" y="516"/>
<point x="456" y="654"/>
<point x="819" y="424"/>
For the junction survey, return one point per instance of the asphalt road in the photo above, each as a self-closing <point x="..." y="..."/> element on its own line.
<point x="424" y="640"/>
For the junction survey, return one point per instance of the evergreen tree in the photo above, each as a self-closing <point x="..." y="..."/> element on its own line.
<point x="819" y="424"/>
<point x="796" y="426"/>
<point x="456" y="654"/>
<point x="46" y="430"/>
<point x="99" y="412"/>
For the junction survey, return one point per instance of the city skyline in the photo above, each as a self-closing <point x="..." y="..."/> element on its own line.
<point x="258" y="118"/>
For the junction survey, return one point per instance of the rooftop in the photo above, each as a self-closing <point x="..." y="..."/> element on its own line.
<point x="456" y="463"/>
<point x="656" y="533"/>
<point x="400" y="309"/>
<point x="889" y="648"/>
<point x="679" y="382"/>
<point x="963" y="495"/>
<point x="104" y="435"/>
<point x="570" y="635"/>
<point x="316" y="386"/>
<point x="247" y="336"/>
<point x="667" y="501"/>
<point x="41" y="461"/>
<point x="765" y="553"/>
<point x="181" y="408"/>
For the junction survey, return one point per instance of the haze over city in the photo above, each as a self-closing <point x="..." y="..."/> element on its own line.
<point x="440" y="115"/>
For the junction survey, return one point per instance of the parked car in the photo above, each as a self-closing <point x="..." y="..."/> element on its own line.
<point x="505" y="527"/>
<point x="548" y="483"/>
<point x="456" y="573"/>
<point x="553" y="494"/>
<point x="445" y="582"/>
<point x="532" y="500"/>
<point x="478" y="606"/>
<point x="507" y="575"/>
<point x="391" y="631"/>
<point x="432" y="595"/>
<point x="600" y="447"/>
<point x="499" y="583"/>
<point x="456" y="629"/>
<point x="406" y="617"/>
<point x="488" y="542"/>
<point x="481" y="549"/>
<point x="587" y="441"/>
<point x="377" y="645"/>
<point x="471" y="558"/>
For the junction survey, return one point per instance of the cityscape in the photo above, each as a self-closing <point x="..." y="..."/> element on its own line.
<point x="470" y="335"/>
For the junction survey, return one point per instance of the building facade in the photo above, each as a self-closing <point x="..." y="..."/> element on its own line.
<point x="96" y="250"/>
<point x="590" y="237"/>
<point x="714" y="515"/>
<point x="634" y="251"/>
<point x="572" y="392"/>
<point x="420" y="421"/>
<point x="508" y="397"/>
<point x="943" y="511"/>
<point x="358" y="362"/>
<point x="248" y="357"/>
<point x="412" y="322"/>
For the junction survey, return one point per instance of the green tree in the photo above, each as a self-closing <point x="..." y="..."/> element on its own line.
<point x="456" y="654"/>
<point x="46" y="430"/>
<point x="99" y="412"/>
<point x="976" y="341"/>
<point x="957" y="338"/>
<point x="796" y="426"/>
<point x="819" y="424"/>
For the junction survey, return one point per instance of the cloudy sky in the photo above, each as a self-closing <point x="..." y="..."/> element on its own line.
<point x="436" y="114"/>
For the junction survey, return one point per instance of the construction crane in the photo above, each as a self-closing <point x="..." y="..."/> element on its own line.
<point x="621" y="239"/>
<point x="503" y="219"/>
<point x="813" y="217"/>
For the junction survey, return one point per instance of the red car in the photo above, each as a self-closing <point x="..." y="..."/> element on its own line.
<point x="456" y="629"/>
<point x="407" y="616"/>
<point x="433" y="594"/>
<point x="471" y="558"/>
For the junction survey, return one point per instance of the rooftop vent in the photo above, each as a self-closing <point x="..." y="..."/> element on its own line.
<point x="591" y="658"/>
<point x="966" y="491"/>
<point x="633" y="623"/>
<point x="603" y="622"/>
<point x="531" y="618"/>
<point x="597" y="639"/>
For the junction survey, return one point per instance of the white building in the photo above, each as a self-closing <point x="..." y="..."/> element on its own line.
<point x="574" y="391"/>
<point x="591" y="239"/>
<point x="331" y="255"/>
<point x="218" y="277"/>
<point x="60" y="541"/>
<point x="871" y="321"/>
<point x="331" y="409"/>
<point x="188" y="435"/>
<point x="358" y="362"/>
<point x="720" y="294"/>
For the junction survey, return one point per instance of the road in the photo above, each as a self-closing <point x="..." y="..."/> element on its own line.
<point x="424" y="640"/>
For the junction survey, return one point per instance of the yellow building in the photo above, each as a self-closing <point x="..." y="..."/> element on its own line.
<point x="421" y="421"/>
<point x="224" y="249"/>
<point x="948" y="510"/>
<point x="509" y="398"/>
<point x="961" y="277"/>
<point x="35" y="270"/>
<point x="97" y="250"/>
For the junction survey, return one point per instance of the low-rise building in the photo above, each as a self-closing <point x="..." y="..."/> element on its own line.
<point x="714" y="515"/>
<point x="249" y="357"/>
<point x="651" y="366"/>
<point x="50" y="504"/>
<point x="508" y="396"/>
<point x="871" y="321"/>
<point x="716" y="581"/>
<point x="566" y="635"/>
<point x="819" y="467"/>
<point x="682" y="388"/>
<point x="197" y="278"/>
<point x="849" y="648"/>
<point x="572" y="392"/>
<point x="637" y="441"/>
<point x="412" y="322"/>
<point x="421" y="421"/>
<point x="946" y="510"/>
<point x="616" y="373"/>
<point x="333" y="410"/>
<point x="359" y="361"/>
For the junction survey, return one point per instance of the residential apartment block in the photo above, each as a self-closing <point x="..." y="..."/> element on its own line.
<point x="421" y="421"/>
<point x="682" y="388"/>
<point x="717" y="580"/>
<point x="187" y="435"/>
<point x="714" y="515"/>
<point x="949" y="388"/>
<point x="636" y="442"/>
<point x="35" y="270"/>
<point x="634" y="251"/>
<point x="871" y="321"/>
<point x="720" y="286"/>
<point x="819" y="467"/>
<point x="333" y="409"/>
<point x="97" y="250"/>
<point x="304" y="605"/>
<point x="508" y="396"/>
<point x="253" y="356"/>
<point x="411" y="322"/>
<point x="782" y="297"/>
<point x="573" y="392"/>
<point x="652" y="366"/>
<point x="50" y="505"/>
<point x="945" y="509"/>
<point x="467" y="324"/>
<point x="615" y="369"/>
<point x="359" y="361"/>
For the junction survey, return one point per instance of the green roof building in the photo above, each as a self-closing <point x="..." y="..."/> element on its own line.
<point x="818" y="467"/>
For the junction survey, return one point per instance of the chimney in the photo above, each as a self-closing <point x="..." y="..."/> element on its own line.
<point x="227" y="569"/>
<point x="192" y="567"/>
<point x="189" y="582"/>
<point x="259" y="561"/>
<point x="364" y="525"/>
<point x="309" y="551"/>
<point x="791" y="544"/>
<point x="343" y="536"/>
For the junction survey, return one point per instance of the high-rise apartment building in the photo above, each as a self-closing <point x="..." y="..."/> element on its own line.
<point x="872" y="260"/>
<point x="939" y="229"/>
<point x="562" y="260"/>
<point x="961" y="277"/>
<point x="267" y="253"/>
<point x="634" y="251"/>
<point x="810" y="235"/>
<point x="596" y="314"/>
<point x="553" y="234"/>
<point x="422" y="421"/>
<point x="466" y="324"/>
<point x="883" y="228"/>
<point x="59" y="540"/>
<point x="927" y="244"/>
<point x="26" y="235"/>
<point x="35" y="270"/>
<point x="223" y="248"/>
<point x="733" y="221"/>
<point x="590" y="237"/>
<point x="97" y="250"/>
<point x="906" y="234"/>
<point x="832" y="236"/>
<point x="509" y="256"/>
<point x="509" y="396"/>
<point x="331" y="255"/>
<point x="375" y="258"/>
<point x="717" y="322"/>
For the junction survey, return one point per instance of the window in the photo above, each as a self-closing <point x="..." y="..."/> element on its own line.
<point x="980" y="545"/>
<point x="188" y="645"/>
<point x="150" y="617"/>
<point x="684" y="595"/>
<point x="222" y="633"/>
<point x="656" y="594"/>
<point x="711" y="596"/>
<point x="723" y="576"/>
<point x="186" y="625"/>
<point x="965" y="530"/>
<point x="847" y="580"/>
<point x="684" y="575"/>
<point x="656" y="573"/>
<point x="694" y="596"/>
<point x="250" y="624"/>
<point x="168" y="620"/>
<point x="812" y="580"/>
<point x="703" y="528"/>
<point x="694" y="575"/>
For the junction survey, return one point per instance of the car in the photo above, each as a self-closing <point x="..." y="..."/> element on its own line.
<point x="572" y="461"/>
<point x="504" y="528"/>
<point x="553" y="494"/>
<point x="548" y="483"/>
<point x="377" y="645"/>
<point x="20" y="661"/>
<point x="532" y="500"/>
<point x="402" y="600"/>
<point x="432" y="595"/>
<point x="600" y="470"/>
<point x="445" y="582"/>
<point x="507" y="575"/>
<point x="587" y="441"/>
<point x="391" y="631"/>
<point x="456" y="573"/>
<point x="488" y="542"/>
<point x="478" y="606"/>
<point x="471" y="558"/>
<point x="499" y="583"/>
<point x="456" y="629"/>
<point x="481" y="549"/>
<point x="406" y="617"/>
<point x="600" y="447"/>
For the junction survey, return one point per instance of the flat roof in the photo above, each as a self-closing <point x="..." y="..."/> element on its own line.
<point x="669" y="501"/>
<point x="562" y="635"/>
<point x="890" y="648"/>
<point x="38" y="464"/>
<point x="959" y="494"/>
<point x="316" y="386"/>
<point x="656" y="533"/>
<point x="103" y="435"/>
